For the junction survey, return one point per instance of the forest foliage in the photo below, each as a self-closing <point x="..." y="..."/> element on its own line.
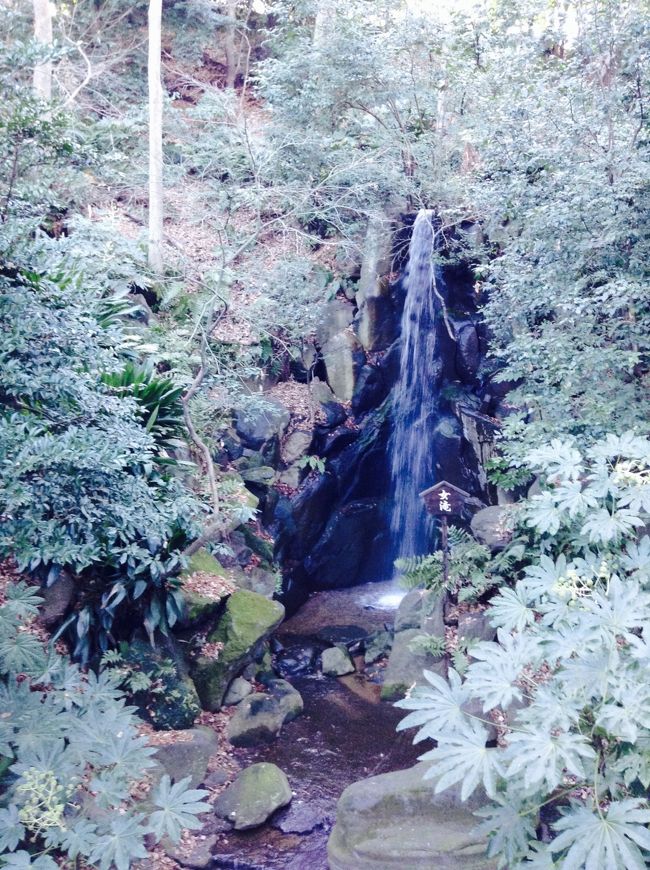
<point x="286" y="129"/>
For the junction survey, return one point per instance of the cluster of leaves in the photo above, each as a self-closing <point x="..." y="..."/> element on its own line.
<point x="567" y="675"/>
<point x="72" y="760"/>
<point x="83" y="486"/>
<point x="473" y="570"/>
<point x="152" y="682"/>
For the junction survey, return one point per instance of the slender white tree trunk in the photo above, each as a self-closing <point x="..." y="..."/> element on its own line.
<point x="232" y="60"/>
<point x="43" y="34"/>
<point x="324" y="15"/>
<point x="155" y="138"/>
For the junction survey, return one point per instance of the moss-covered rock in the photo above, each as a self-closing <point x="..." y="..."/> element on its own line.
<point x="395" y="820"/>
<point x="204" y="562"/>
<point x="254" y="796"/>
<point x="248" y="619"/>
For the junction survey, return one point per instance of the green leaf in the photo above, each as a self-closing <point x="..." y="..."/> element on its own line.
<point x="179" y="807"/>
<point x="11" y="829"/>
<point x="464" y="758"/>
<point x="611" y="839"/>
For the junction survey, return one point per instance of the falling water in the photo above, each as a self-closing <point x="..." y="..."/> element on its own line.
<point x="414" y="396"/>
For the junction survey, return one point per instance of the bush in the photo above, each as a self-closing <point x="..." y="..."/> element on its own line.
<point x="76" y="765"/>
<point x="82" y="482"/>
<point x="566" y="683"/>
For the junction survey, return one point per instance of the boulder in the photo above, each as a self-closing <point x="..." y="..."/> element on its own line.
<point x="258" y="580"/>
<point x="237" y="691"/>
<point x="57" y="600"/>
<point x="335" y="317"/>
<point x="405" y="666"/>
<point x="189" y="756"/>
<point x="395" y="820"/>
<point x="377" y="323"/>
<point x="296" y="446"/>
<point x="370" y="390"/>
<point x="254" y="796"/>
<point x="468" y="352"/>
<point x="259" y="717"/>
<point x="343" y="357"/>
<point x="409" y="612"/>
<point x="336" y="662"/>
<point x="196" y="853"/>
<point x="257" y="424"/>
<point x="475" y="626"/>
<point x="492" y="526"/>
<point x="249" y="618"/>
<point x="296" y="660"/>
<point x="377" y="646"/>
<point x="377" y="257"/>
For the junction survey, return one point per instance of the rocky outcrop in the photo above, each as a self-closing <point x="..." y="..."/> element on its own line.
<point x="336" y="662"/>
<point x="188" y="755"/>
<point x="395" y="820"/>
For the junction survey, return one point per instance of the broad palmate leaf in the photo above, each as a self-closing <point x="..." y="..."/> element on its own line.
<point x="608" y="839"/>
<point x="179" y="807"/>
<point x="464" y="758"/>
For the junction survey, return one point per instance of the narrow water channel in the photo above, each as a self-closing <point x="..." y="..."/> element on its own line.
<point x="345" y="734"/>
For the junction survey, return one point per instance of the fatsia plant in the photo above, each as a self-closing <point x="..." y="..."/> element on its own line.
<point x="565" y="684"/>
<point x="74" y="767"/>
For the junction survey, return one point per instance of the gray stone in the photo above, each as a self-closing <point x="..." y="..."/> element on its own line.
<point x="475" y="626"/>
<point x="336" y="316"/>
<point x="258" y="580"/>
<point x="409" y="612"/>
<point x="394" y="820"/>
<point x="321" y="393"/>
<point x="336" y="662"/>
<point x="216" y="778"/>
<point x="262" y="476"/>
<point x="258" y="424"/>
<point x="376" y="260"/>
<point x="343" y="357"/>
<point x="198" y="856"/>
<point x="370" y="389"/>
<point x="296" y="446"/>
<point x="405" y="666"/>
<point x="189" y="756"/>
<point x="291" y="476"/>
<point x="377" y="646"/>
<point x="433" y="614"/>
<point x="468" y="354"/>
<point x="259" y="717"/>
<point x="377" y="324"/>
<point x="237" y="691"/>
<point x="492" y="527"/>
<point x="57" y="600"/>
<point x="254" y="796"/>
<point x="248" y="620"/>
<point x="301" y="818"/>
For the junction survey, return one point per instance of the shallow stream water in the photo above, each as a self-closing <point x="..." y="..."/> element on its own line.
<point x="345" y="734"/>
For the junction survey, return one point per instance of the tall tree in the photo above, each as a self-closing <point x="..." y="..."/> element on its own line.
<point x="43" y="34"/>
<point x="155" y="138"/>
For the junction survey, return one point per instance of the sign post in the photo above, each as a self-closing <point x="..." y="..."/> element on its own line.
<point x="444" y="500"/>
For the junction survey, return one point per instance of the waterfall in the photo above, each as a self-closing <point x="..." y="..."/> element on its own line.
<point x="415" y="397"/>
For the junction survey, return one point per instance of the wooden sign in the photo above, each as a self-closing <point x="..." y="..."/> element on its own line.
<point x="446" y="500"/>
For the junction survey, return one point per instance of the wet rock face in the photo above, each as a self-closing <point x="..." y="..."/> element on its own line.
<point x="255" y="426"/>
<point x="259" y="717"/>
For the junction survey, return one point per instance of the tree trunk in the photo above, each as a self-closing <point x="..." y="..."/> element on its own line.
<point x="155" y="139"/>
<point x="43" y="34"/>
<point x="232" y="59"/>
<point x="324" y="14"/>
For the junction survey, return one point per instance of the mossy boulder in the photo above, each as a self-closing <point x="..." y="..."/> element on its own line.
<point x="248" y="620"/>
<point x="405" y="665"/>
<point x="199" y="608"/>
<point x="396" y="820"/>
<point x="254" y="796"/>
<point x="336" y="662"/>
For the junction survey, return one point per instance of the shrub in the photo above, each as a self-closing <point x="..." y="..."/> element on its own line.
<point x="76" y="766"/>
<point x="82" y="484"/>
<point x="566" y="683"/>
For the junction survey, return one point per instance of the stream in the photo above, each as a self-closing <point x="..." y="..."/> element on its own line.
<point x="345" y="734"/>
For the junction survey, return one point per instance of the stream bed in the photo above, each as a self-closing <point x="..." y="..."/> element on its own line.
<point x="345" y="734"/>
